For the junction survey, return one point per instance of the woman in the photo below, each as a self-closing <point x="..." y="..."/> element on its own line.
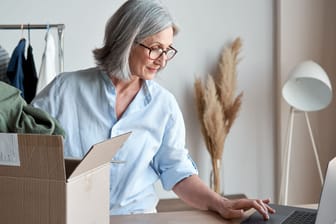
<point x="120" y="96"/>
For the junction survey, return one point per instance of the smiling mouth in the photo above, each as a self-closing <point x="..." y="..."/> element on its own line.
<point x="153" y="69"/>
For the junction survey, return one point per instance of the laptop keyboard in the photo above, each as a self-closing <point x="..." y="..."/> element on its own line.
<point x="300" y="217"/>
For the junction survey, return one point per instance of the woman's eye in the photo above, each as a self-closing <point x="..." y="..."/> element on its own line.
<point x="156" y="48"/>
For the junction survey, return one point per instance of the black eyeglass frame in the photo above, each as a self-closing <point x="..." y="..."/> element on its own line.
<point x="163" y="51"/>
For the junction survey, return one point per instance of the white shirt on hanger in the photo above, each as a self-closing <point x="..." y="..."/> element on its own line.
<point x="48" y="65"/>
<point x="4" y="59"/>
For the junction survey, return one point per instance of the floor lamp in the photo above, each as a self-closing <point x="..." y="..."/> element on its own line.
<point x="307" y="89"/>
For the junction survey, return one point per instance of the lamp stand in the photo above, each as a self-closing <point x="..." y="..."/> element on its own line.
<point x="283" y="198"/>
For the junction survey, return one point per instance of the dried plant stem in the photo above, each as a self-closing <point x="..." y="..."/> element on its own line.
<point x="218" y="107"/>
<point x="216" y="177"/>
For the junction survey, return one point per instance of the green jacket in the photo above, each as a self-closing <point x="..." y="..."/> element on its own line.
<point x="18" y="117"/>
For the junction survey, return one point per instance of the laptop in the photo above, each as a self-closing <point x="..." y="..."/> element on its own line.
<point x="325" y="214"/>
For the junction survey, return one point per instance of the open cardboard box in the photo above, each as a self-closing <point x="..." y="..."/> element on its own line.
<point x="39" y="186"/>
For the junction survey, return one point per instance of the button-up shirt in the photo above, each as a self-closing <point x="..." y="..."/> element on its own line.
<point x="84" y="103"/>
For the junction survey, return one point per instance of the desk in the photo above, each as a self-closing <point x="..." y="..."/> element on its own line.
<point x="177" y="217"/>
<point x="194" y="217"/>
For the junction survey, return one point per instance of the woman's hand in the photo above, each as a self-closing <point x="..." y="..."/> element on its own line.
<point x="196" y="194"/>
<point x="231" y="209"/>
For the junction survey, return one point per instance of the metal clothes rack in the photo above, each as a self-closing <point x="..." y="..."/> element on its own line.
<point x="60" y="29"/>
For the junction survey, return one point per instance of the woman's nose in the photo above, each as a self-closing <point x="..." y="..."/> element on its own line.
<point x="162" y="60"/>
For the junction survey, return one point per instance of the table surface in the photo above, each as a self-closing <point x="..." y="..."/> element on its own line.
<point x="174" y="211"/>
<point x="193" y="216"/>
<point x="175" y="217"/>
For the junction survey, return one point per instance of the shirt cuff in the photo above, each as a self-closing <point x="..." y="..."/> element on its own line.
<point x="174" y="175"/>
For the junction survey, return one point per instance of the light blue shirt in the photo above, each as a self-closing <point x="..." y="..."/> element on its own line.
<point x="84" y="103"/>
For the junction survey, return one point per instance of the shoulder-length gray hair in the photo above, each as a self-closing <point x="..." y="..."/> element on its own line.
<point x="132" y="22"/>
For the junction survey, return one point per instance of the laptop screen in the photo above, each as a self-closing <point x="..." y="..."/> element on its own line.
<point x="326" y="211"/>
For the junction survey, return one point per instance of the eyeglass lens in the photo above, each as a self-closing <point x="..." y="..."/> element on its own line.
<point x="156" y="53"/>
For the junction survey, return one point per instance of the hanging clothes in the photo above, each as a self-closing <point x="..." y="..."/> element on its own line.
<point x="15" y="66"/>
<point x="48" y="64"/>
<point x="21" y="71"/>
<point x="30" y="76"/>
<point x="4" y="59"/>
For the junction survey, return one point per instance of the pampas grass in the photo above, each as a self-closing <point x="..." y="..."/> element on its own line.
<point x="218" y="106"/>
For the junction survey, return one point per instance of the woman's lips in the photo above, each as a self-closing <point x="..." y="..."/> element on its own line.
<point x="153" y="70"/>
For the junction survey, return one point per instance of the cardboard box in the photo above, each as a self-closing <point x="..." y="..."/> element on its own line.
<point x="39" y="186"/>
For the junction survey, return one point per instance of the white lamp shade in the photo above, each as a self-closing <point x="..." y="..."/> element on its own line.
<point x="308" y="87"/>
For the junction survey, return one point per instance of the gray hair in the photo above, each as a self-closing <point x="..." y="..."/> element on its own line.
<point x="132" y="22"/>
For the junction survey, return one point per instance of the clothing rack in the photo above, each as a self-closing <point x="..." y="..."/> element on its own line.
<point x="60" y="29"/>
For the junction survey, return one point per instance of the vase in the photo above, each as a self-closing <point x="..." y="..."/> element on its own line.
<point x="215" y="176"/>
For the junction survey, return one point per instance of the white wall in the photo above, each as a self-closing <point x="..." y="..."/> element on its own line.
<point x="206" y="27"/>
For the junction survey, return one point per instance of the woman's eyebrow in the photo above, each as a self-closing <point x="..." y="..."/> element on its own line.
<point x="161" y="44"/>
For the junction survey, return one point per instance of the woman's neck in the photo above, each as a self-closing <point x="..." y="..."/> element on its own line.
<point x="122" y="86"/>
<point x="126" y="92"/>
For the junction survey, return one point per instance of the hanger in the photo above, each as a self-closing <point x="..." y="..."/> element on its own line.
<point x="28" y="33"/>
<point x="22" y="31"/>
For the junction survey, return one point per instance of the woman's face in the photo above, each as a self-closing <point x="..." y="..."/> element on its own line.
<point x="141" y="65"/>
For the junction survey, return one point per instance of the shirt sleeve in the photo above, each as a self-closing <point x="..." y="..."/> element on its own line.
<point x="173" y="162"/>
<point x="47" y="98"/>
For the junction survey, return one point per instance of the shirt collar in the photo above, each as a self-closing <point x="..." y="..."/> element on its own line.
<point x="145" y="88"/>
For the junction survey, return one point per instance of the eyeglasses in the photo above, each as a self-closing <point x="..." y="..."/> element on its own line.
<point x="157" y="52"/>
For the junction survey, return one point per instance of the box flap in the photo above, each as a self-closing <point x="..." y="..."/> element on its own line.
<point x="41" y="156"/>
<point x="100" y="153"/>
